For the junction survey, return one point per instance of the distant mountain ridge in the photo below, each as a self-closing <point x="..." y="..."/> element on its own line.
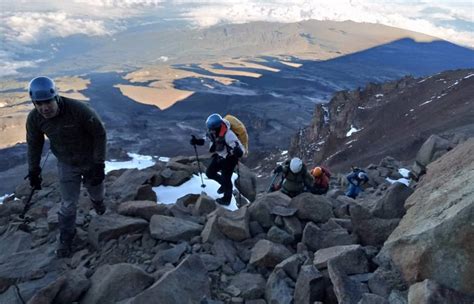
<point x="394" y="118"/>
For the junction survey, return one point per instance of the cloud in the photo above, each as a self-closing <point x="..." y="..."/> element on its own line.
<point x="121" y="3"/>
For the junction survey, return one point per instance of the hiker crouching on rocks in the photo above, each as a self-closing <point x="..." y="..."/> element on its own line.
<point x="356" y="179"/>
<point x="78" y="140"/>
<point x="321" y="177"/>
<point x="295" y="177"/>
<point x="227" y="149"/>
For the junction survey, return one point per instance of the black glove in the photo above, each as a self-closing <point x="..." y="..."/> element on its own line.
<point x="35" y="179"/>
<point x="237" y="151"/>
<point x="212" y="149"/>
<point x="196" y="141"/>
<point x="96" y="174"/>
<point x="278" y="169"/>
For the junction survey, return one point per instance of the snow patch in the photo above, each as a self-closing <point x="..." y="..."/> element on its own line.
<point x="404" y="172"/>
<point x="425" y="79"/>
<point x="352" y="130"/>
<point x="378" y="95"/>
<point x="169" y="194"/>
<point x="404" y="181"/>
<point x="426" y="102"/>
<point x="283" y="153"/>
<point x="469" y="76"/>
<point x="351" y="141"/>
<point x="138" y="161"/>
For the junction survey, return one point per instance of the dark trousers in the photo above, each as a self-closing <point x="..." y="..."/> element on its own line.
<point x="226" y="167"/>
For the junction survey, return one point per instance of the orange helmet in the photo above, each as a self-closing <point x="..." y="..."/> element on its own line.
<point x="316" y="172"/>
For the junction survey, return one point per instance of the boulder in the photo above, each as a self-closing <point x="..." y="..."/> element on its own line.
<point x="111" y="226"/>
<point x="145" y="193"/>
<point x="278" y="289"/>
<point x="235" y="224"/>
<point x="173" y="229"/>
<point x="291" y="265"/>
<point x="370" y="298"/>
<point x="434" y="238"/>
<point x="391" y="205"/>
<point x="384" y="281"/>
<point x="188" y="283"/>
<point x="310" y="286"/>
<point x="347" y="291"/>
<point x="48" y="293"/>
<point x="75" y="285"/>
<point x="174" y="178"/>
<point x="247" y="182"/>
<point x="112" y="283"/>
<point x="293" y="226"/>
<point x="278" y="235"/>
<point x="171" y="255"/>
<point x="250" y="285"/>
<point x="211" y="232"/>
<point x="371" y="230"/>
<point x="11" y="243"/>
<point x="143" y="209"/>
<point x="433" y="148"/>
<point x="125" y="187"/>
<point x="261" y="209"/>
<point x="11" y="296"/>
<point x="326" y="236"/>
<point x="322" y="256"/>
<point x="316" y="208"/>
<point x="428" y="292"/>
<point x="268" y="254"/>
<point x="204" y="205"/>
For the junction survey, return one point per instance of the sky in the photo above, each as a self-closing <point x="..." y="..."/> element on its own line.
<point x="25" y="25"/>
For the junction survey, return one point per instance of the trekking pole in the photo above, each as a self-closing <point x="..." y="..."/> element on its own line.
<point x="199" y="167"/>
<point x="272" y="182"/>
<point x="238" y="182"/>
<point x="28" y="201"/>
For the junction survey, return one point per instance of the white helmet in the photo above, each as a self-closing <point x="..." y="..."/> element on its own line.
<point x="361" y="175"/>
<point x="295" y="165"/>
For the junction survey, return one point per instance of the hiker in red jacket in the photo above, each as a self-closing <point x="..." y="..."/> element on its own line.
<point x="321" y="177"/>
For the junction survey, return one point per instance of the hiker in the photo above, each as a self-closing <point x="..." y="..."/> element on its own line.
<point x="356" y="179"/>
<point x="227" y="149"/>
<point x="295" y="177"/>
<point x="78" y="140"/>
<point x="321" y="177"/>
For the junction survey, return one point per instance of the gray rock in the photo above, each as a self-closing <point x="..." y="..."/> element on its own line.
<point x="261" y="209"/>
<point x="212" y="262"/>
<point x="277" y="290"/>
<point x="384" y="281"/>
<point x="174" y="178"/>
<point x="278" y="235"/>
<point x="75" y="285"/>
<point x="188" y="283"/>
<point x="11" y="296"/>
<point x="370" y="298"/>
<point x="204" y="205"/>
<point x="250" y="285"/>
<point x="326" y="236"/>
<point x="284" y="211"/>
<point x="291" y="265"/>
<point x="347" y="291"/>
<point x="293" y="226"/>
<point x="171" y="255"/>
<point x="145" y="193"/>
<point x="398" y="297"/>
<point x="11" y="243"/>
<point x="111" y="226"/>
<point x="48" y="293"/>
<point x="124" y="188"/>
<point x="322" y="256"/>
<point x="312" y="207"/>
<point x="247" y="182"/>
<point x="430" y="292"/>
<point x="143" y="209"/>
<point x="391" y="205"/>
<point x="173" y="229"/>
<point x="268" y="254"/>
<point x="235" y="225"/>
<point x="433" y="148"/>
<point x="437" y="226"/>
<point x="112" y="283"/>
<point x="371" y="230"/>
<point x="310" y="286"/>
<point x="24" y="266"/>
<point x="211" y="232"/>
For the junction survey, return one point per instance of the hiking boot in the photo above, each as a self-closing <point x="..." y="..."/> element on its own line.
<point x="220" y="190"/>
<point x="222" y="201"/>
<point x="99" y="207"/>
<point x="64" y="250"/>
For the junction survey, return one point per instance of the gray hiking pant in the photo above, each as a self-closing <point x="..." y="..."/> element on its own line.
<point x="70" y="179"/>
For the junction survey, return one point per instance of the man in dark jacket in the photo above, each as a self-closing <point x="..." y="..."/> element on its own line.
<point x="78" y="140"/>
<point x="356" y="179"/>
<point x="227" y="149"/>
<point x="295" y="177"/>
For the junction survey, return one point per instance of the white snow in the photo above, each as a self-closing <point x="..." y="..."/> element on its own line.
<point x="361" y="108"/>
<point x="456" y="83"/>
<point x="426" y="102"/>
<point x="378" y="95"/>
<point x="351" y="141"/>
<point x="2" y="104"/>
<point x="352" y="130"/>
<point x="423" y="80"/>
<point x="469" y="76"/>
<point x="3" y="197"/>
<point x="405" y="181"/>
<point x="285" y="152"/>
<point x="411" y="110"/>
<point x="404" y="172"/>
<point x="170" y="194"/>
<point x="138" y="161"/>
<point x="164" y="159"/>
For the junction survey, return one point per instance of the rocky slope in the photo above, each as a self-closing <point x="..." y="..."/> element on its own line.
<point x="308" y="249"/>
<point x="395" y="118"/>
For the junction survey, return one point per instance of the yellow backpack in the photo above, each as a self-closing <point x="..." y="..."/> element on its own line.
<point x="239" y="129"/>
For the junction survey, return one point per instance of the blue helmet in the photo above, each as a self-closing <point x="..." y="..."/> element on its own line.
<point x="214" y="121"/>
<point x="42" y="88"/>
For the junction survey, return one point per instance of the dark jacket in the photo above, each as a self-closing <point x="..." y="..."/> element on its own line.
<point x="296" y="183"/>
<point x="77" y="135"/>
<point x="353" y="178"/>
